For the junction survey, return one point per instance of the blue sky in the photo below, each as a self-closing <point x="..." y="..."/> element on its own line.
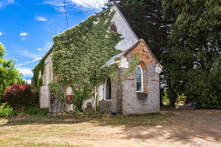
<point x="27" y="27"/>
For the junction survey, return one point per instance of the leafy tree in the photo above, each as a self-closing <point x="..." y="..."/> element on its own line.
<point x="193" y="58"/>
<point x="8" y="73"/>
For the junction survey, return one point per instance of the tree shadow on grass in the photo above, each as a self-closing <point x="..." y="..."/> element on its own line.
<point x="186" y="129"/>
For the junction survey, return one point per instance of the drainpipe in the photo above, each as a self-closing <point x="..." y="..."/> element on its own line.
<point x="95" y="98"/>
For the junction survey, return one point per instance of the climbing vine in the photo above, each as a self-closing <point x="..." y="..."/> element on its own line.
<point x="119" y="78"/>
<point x="79" y="52"/>
<point x="39" y="67"/>
<point x="56" y="89"/>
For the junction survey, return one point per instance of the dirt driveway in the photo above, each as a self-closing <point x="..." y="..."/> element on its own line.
<point x="186" y="129"/>
<point x="183" y="129"/>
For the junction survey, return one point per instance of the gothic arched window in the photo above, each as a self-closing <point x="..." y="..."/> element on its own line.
<point x="107" y="90"/>
<point x="139" y="73"/>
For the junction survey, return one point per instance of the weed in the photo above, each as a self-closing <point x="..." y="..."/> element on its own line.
<point x="5" y="111"/>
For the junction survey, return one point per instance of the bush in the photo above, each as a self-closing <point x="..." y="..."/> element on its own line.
<point x="19" y="96"/>
<point x="165" y="98"/>
<point x="32" y="111"/>
<point x="35" y="102"/>
<point x="5" y="111"/>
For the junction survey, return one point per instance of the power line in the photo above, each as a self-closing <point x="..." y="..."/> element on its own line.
<point x="66" y="14"/>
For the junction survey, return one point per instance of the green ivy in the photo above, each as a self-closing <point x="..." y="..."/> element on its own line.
<point x="55" y="88"/>
<point x="133" y="64"/>
<point x="79" y="52"/>
<point x="39" y="67"/>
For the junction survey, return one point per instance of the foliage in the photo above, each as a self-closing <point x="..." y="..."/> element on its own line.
<point x="35" y="97"/>
<point x="32" y="111"/>
<point x="193" y="59"/>
<point x="79" y="52"/>
<point x="165" y="98"/>
<point x="40" y="67"/>
<point x="19" y="96"/>
<point x="8" y="73"/>
<point x="43" y="111"/>
<point x="56" y="89"/>
<point x="181" y="98"/>
<point x="5" y="110"/>
<point x="119" y="78"/>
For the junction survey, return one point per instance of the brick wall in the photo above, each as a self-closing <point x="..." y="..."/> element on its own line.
<point x="127" y="100"/>
<point x="147" y="101"/>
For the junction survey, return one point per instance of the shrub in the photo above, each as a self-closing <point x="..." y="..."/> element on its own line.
<point x="19" y="96"/>
<point x="5" y="111"/>
<point x="35" y="101"/>
<point x="32" y="111"/>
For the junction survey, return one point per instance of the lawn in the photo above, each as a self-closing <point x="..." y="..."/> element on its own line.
<point x="42" y="130"/>
<point x="183" y="128"/>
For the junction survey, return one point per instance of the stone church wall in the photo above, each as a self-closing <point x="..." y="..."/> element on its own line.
<point x="147" y="101"/>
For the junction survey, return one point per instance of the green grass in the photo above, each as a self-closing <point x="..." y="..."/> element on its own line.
<point x="38" y="130"/>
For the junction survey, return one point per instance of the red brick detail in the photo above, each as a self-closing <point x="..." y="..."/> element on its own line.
<point x="129" y="79"/>
<point x="155" y="80"/>
<point x="143" y="66"/>
<point x="145" y="55"/>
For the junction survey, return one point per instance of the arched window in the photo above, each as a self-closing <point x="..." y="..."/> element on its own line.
<point x="107" y="90"/>
<point x="113" y="27"/>
<point x="139" y="73"/>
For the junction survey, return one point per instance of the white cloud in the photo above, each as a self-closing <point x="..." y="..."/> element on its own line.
<point x="26" y="72"/>
<point x="48" y="44"/>
<point x="0" y="33"/>
<point x="3" y="3"/>
<point x="23" y="51"/>
<point x="40" y="18"/>
<point x="11" y="1"/>
<point x="23" y="34"/>
<point x="56" y="4"/>
<point x="27" y="81"/>
<point x="83" y="4"/>
<point x="46" y="47"/>
<point x="28" y="62"/>
<point x="42" y="49"/>
<point x="90" y="4"/>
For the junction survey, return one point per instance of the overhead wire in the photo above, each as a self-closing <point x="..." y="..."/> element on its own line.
<point x="66" y="14"/>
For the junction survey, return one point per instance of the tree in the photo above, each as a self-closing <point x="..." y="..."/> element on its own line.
<point x="193" y="57"/>
<point x="8" y="73"/>
<point x="146" y="19"/>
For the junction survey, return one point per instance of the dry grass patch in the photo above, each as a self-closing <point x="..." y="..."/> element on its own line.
<point x="41" y="130"/>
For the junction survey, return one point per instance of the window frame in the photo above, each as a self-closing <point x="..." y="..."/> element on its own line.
<point x="115" y="25"/>
<point x="105" y="91"/>
<point x="141" y="78"/>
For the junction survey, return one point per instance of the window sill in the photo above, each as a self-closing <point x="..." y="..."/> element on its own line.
<point x="140" y="92"/>
<point x="108" y="100"/>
